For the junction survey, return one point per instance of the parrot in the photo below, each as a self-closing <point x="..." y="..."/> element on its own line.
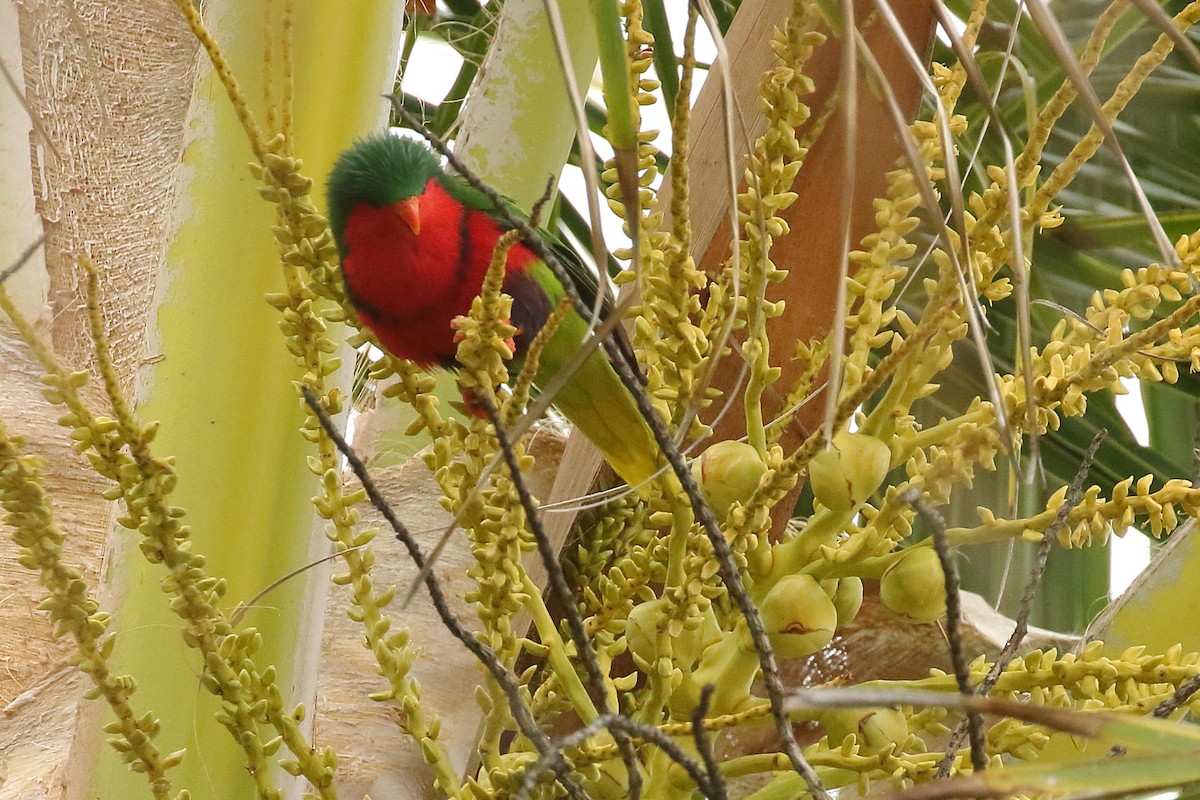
<point x="415" y="242"/>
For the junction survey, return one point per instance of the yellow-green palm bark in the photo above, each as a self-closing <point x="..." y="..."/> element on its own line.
<point x="1151" y="611"/>
<point x="223" y="388"/>
<point x="517" y="127"/>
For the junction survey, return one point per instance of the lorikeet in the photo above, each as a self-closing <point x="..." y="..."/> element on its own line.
<point x="416" y="242"/>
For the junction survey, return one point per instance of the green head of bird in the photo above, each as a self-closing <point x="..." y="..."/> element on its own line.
<point x="380" y="171"/>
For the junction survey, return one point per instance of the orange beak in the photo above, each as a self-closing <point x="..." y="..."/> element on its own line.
<point x="410" y="211"/>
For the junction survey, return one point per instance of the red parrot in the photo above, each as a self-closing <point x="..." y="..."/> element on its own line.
<point x="416" y="242"/>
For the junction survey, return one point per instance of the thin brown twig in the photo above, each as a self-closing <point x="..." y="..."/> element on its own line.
<point x="22" y="259"/>
<point x="1182" y="695"/>
<point x="522" y="715"/>
<point x="1039" y="565"/>
<point x="627" y="373"/>
<point x="732" y="579"/>
<point x="614" y="722"/>
<point x="962" y="673"/>
<point x="716" y="789"/>
<point x="1031" y="587"/>
<point x="562" y="592"/>
<point x="535" y="213"/>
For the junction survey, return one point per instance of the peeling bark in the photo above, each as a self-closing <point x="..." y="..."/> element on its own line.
<point x="109" y="85"/>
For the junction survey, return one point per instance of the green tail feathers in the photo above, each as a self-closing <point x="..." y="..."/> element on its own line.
<point x="594" y="399"/>
<point x="598" y="404"/>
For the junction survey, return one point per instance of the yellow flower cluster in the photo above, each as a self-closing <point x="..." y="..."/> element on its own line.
<point x="640" y="591"/>
<point x="120" y="450"/>
<point x="659" y="614"/>
<point x="308" y="255"/>
<point x="1089" y="680"/>
<point x="75" y="612"/>
<point x="774" y="163"/>
<point x="894" y="360"/>
<point x="666" y="330"/>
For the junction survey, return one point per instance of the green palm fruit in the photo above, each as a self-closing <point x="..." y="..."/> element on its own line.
<point x="728" y="472"/>
<point x="847" y="597"/>
<point x="913" y="587"/>
<point x="848" y="472"/>
<point x="799" y="617"/>
<point x="875" y="729"/>
<point x="647" y="620"/>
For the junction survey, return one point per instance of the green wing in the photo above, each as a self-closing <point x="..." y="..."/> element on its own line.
<point x="584" y="279"/>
